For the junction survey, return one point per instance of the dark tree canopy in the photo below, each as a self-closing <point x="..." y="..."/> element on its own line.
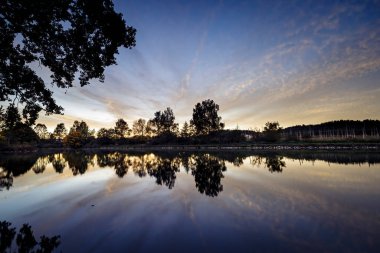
<point x="41" y="131"/>
<point x="272" y="126"/>
<point x="11" y="118"/>
<point x="79" y="135"/>
<point x="208" y="172"/>
<point x="139" y="127"/>
<point x="69" y="37"/>
<point x="121" y="128"/>
<point x="60" y="131"/>
<point x="25" y="240"/>
<point x="272" y="131"/>
<point x="205" y="117"/>
<point x="163" y="122"/>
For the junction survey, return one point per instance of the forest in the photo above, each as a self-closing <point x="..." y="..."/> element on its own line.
<point x="205" y="127"/>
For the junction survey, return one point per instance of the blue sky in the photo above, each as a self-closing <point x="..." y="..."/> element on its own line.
<point x="289" y="61"/>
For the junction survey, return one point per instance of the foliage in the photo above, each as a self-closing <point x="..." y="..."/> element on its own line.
<point x="272" y="126"/>
<point x="208" y="172"/>
<point x="163" y="122"/>
<point x="41" y="131"/>
<point x="2" y="118"/>
<point x="272" y="131"/>
<point x="275" y="163"/>
<point x="13" y="129"/>
<point x="121" y="129"/>
<point x="21" y="133"/>
<point x="139" y="127"/>
<point x="150" y="128"/>
<point x="79" y="135"/>
<point x="335" y="130"/>
<point x="185" y="131"/>
<point x="60" y="131"/>
<point x="205" y="117"/>
<point x="11" y="117"/>
<point x="25" y="240"/>
<point x="106" y="133"/>
<point x="69" y="37"/>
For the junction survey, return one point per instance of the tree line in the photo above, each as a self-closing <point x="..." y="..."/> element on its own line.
<point x="162" y="127"/>
<point x="205" y="127"/>
<point x="335" y="130"/>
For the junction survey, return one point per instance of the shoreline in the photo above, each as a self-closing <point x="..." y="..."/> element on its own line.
<point x="204" y="147"/>
<point x="255" y="147"/>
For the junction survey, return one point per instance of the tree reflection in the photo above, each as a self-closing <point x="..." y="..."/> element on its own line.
<point x="14" y="166"/>
<point x="275" y="163"/>
<point x="25" y="240"/>
<point x="208" y="172"/>
<point x="139" y="164"/>
<point x="164" y="170"/>
<point x="207" y="169"/>
<point x="40" y="165"/>
<point x="79" y="161"/>
<point x="7" y="234"/>
<point x="116" y="160"/>
<point x="58" y="162"/>
<point x="6" y="180"/>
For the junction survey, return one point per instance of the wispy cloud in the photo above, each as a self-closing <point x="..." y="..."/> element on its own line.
<point x="299" y="62"/>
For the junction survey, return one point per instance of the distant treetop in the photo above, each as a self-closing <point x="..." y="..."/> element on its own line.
<point x="205" y="117"/>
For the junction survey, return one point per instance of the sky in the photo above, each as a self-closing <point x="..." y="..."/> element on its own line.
<point x="295" y="62"/>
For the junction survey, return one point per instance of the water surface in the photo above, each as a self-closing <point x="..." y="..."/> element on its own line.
<point x="196" y="202"/>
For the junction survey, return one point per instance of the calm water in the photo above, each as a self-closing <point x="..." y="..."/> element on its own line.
<point x="196" y="202"/>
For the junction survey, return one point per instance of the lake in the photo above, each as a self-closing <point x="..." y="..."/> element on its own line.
<point x="296" y="201"/>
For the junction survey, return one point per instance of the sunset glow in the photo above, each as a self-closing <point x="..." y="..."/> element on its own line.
<point x="296" y="63"/>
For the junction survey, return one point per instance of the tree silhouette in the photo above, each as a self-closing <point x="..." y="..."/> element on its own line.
<point x="79" y="135"/>
<point x="208" y="172"/>
<point x="121" y="166"/>
<point x="40" y="165"/>
<point x="139" y="127"/>
<point x="186" y="130"/>
<point x="69" y="37"/>
<point x="106" y="133"/>
<point x="7" y="235"/>
<point x="150" y="128"/>
<point x="41" y="131"/>
<point x="78" y="161"/>
<point x="164" y="170"/>
<point x="25" y="240"/>
<point x="6" y="180"/>
<point x="60" y="131"/>
<point x="58" y="163"/>
<point x="116" y="160"/>
<point x="205" y="117"/>
<point x="11" y="118"/>
<point x="163" y="122"/>
<point x="48" y="244"/>
<point x="139" y="165"/>
<point x="2" y="119"/>
<point x="121" y="129"/>
<point x="272" y="131"/>
<point x="275" y="163"/>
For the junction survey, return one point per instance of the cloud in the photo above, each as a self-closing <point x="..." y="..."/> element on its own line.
<point x="285" y="66"/>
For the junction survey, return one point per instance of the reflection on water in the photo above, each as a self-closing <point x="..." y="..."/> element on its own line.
<point x="207" y="168"/>
<point x="25" y="240"/>
<point x="193" y="202"/>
